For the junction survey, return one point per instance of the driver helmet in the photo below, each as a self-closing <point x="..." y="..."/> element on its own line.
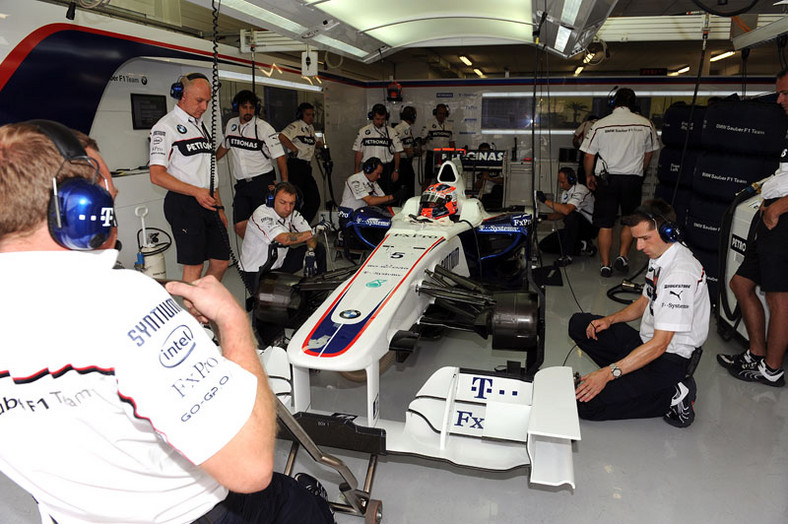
<point x="438" y="201"/>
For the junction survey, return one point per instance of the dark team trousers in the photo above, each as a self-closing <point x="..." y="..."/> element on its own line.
<point x="566" y="241"/>
<point x="294" y="261"/>
<point x="299" y="173"/>
<point x="643" y="393"/>
<point x="407" y="177"/>
<point x="284" y="501"/>
<point x="250" y="193"/>
<point x="385" y="182"/>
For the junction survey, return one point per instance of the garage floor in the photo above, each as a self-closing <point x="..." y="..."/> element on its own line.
<point x="730" y="466"/>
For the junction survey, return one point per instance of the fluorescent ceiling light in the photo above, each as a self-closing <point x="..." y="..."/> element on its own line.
<point x="332" y="42"/>
<point x="721" y="56"/>
<point x="682" y="70"/>
<point x="721" y="91"/>
<point x="589" y="56"/>
<point x="478" y="72"/>
<point x="243" y="77"/>
<point x="578" y="70"/>
<point x="569" y="14"/>
<point x="465" y="60"/>
<point x="264" y="15"/>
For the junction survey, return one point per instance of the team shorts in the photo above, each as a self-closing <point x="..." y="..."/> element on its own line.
<point x="250" y="193"/>
<point x="766" y="258"/>
<point x="198" y="232"/>
<point x="621" y="191"/>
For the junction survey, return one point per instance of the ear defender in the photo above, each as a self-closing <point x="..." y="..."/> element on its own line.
<point x="379" y="109"/>
<point x="81" y="214"/>
<point x="370" y="165"/>
<point x="236" y="103"/>
<point x="668" y="231"/>
<point x="176" y="89"/>
<point x="444" y="106"/>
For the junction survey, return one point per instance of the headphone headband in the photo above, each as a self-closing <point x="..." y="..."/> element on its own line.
<point x="668" y="231"/>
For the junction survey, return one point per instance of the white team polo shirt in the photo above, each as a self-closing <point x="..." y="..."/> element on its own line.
<point x="776" y="186"/>
<point x="252" y="145"/>
<point x="678" y="300"/>
<point x="381" y="142"/>
<point x="182" y="144"/>
<point x="437" y="134"/>
<point x="108" y="406"/>
<point x="261" y="229"/>
<point x="405" y="134"/>
<point x="579" y="196"/>
<point x="622" y="140"/>
<point x="357" y="187"/>
<point x="303" y="137"/>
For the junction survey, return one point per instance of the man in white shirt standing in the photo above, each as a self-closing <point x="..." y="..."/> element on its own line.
<point x="625" y="143"/>
<point x="438" y="133"/>
<point x="378" y="139"/>
<point x="180" y="162"/>
<point x="404" y="130"/>
<point x="576" y="209"/>
<point x="299" y="139"/>
<point x="253" y="143"/>
<point x="644" y="373"/>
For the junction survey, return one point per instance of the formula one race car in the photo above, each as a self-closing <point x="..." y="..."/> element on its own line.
<point x="415" y="281"/>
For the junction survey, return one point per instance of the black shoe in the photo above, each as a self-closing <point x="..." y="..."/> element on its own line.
<point x="313" y="486"/>
<point x="756" y="371"/>
<point x="563" y="261"/>
<point x="681" y="413"/>
<point x="621" y="265"/>
<point x="737" y="360"/>
<point x="587" y="248"/>
<point x="606" y="271"/>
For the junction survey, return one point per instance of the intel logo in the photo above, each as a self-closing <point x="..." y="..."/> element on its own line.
<point x="177" y="347"/>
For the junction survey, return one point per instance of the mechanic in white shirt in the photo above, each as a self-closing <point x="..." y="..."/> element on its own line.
<point x="766" y="264"/>
<point x="576" y="209"/>
<point x="378" y="139"/>
<point x="300" y="141"/>
<point x="404" y="130"/>
<point x="644" y="373"/>
<point x="180" y="162"/>
<point x="438" y="133"/>
<point x="253" y="143"/>
<point x="624" y="142"/>
<point x="362" y="189"/>
<point x="136" y="415"/>
<point x="278" y="221"/>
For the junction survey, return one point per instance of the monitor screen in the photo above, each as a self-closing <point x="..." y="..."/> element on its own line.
<point x="146" y="110"/>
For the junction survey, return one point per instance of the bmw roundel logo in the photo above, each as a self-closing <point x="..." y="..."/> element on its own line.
<point x="181" y="128"/>
<point x="234" y="127"/>
<point x="144" y="80"/>
<point x="367" y="132"/>
<point x="350" y="313"/>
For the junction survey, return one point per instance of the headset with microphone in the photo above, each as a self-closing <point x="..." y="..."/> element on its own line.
<point x="244" y="96"/>
<point x="269" y="199"/>
<point x="437" y="107"/>
<point x="81" y="214"/>
<point x="378" y="109"/>
<point x="370" y="165"/>
<point x="668" y="230"/>
<point x="570" y="174"/>
<point x="176" y="89"/>
<point x="301" y="108"/>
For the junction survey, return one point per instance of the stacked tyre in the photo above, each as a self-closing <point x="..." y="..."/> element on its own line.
<point x="675" y="165"/>
<point x="741" y="142"/>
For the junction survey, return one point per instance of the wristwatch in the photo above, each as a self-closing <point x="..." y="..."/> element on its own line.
<point x="615" y="370"/>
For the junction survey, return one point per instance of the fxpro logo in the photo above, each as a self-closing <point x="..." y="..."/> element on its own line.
<point x="177" y="347"/>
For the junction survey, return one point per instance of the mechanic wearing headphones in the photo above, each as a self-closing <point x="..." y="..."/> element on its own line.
<point x="437" y="133"/>
<point x="133" y="435"/>
<point x="299" y="139"/>
<point x="404" y="130"/>
<point x="642" y="374"/>
<point x="253" y="143"/>
<point x="278" y="221"/>
<point x="362" y="189"/>
<point x="625" y="143"/>
<point x="378" y="139"/>
<point x="180" y="162"/>
<point x="576" y="209"/>
<point x="766" y="264"/>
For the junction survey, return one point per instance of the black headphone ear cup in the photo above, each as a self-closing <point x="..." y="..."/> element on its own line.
<point x="81" y="215"/>
<point x="176" y="90"/>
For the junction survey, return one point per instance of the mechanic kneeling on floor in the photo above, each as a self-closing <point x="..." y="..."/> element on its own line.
<point x="278" y="221"/>
<point x="576" y="208"/>
<point x="642" y="374"/>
